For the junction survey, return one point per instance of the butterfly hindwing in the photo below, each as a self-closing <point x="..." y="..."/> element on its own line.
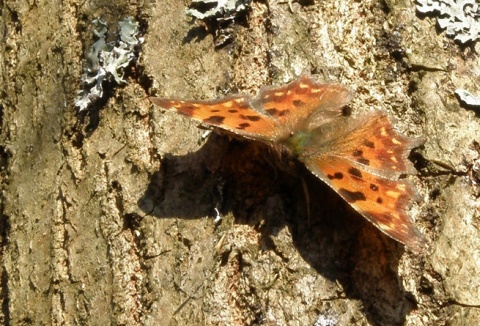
<point x="363" y="162"/>
<point x="382" y="201"/>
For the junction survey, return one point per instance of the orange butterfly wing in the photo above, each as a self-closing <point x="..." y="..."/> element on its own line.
<point x="234" y="114"/>
<point x="374" y="144"/>
<point x="363" y="166"/>
<point x="296" y="102"/>
<point x="273" y="114"/>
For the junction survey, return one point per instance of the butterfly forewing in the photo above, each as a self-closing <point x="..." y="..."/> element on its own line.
<point x="234" y="114"/>
<point x="294" y="103"/>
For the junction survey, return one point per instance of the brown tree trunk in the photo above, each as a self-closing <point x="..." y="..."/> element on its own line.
<point x="108" y="216"/>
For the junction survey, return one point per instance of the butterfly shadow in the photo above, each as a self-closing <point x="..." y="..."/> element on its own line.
<point x="248" y="180"/>
<point x="342" y="246"/>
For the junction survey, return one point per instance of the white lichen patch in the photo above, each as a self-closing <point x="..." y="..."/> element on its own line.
<point x="106" y="61"/>
<point x="223" y="9"/>
<point x="460" y="18"/>
<point x="468" y="98"/>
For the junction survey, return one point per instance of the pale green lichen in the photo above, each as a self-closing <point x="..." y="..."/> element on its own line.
<point x="222" y="9"/>
<point x="106" y="60"/>
<point x="460" y="18"/>
<point x="220" y="16"/>
<point x="468" y="98"/>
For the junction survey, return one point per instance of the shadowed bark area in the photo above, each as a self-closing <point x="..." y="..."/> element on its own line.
<point x="108" y="217"/>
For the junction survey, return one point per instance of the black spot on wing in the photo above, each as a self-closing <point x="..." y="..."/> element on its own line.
<point x="363" y="161"/>
<point x="232" y="111"/>
<point x="214" y="119"/>
<point x="379" y="200"/>
<point x="355" y="172"/>
<point x="243" y="125"/>
<point x="252" y="117"/>
<point x="373" y="187"/>
<point x="352" y="196"/>
<point x="298" y="103"/>
<point x="337" y="175"/>
<point x="357" y="153"/>
<point x="275" y="112"/>
<point x="368" y="143"/>
<point x="272" y="111"/>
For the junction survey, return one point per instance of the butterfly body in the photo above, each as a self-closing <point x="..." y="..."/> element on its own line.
<point x="361" y="158"/>
<point x="297" y="142"/>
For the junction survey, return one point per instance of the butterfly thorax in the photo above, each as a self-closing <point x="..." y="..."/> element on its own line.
<point x="296" y="142"/>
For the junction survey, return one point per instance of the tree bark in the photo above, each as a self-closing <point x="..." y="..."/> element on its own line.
<point x="108" y="217"/>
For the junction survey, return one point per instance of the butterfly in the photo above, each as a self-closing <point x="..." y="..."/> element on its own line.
<point x="362" y="158"/>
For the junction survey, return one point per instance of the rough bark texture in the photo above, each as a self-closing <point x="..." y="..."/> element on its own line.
<point x="107" y="217"/>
